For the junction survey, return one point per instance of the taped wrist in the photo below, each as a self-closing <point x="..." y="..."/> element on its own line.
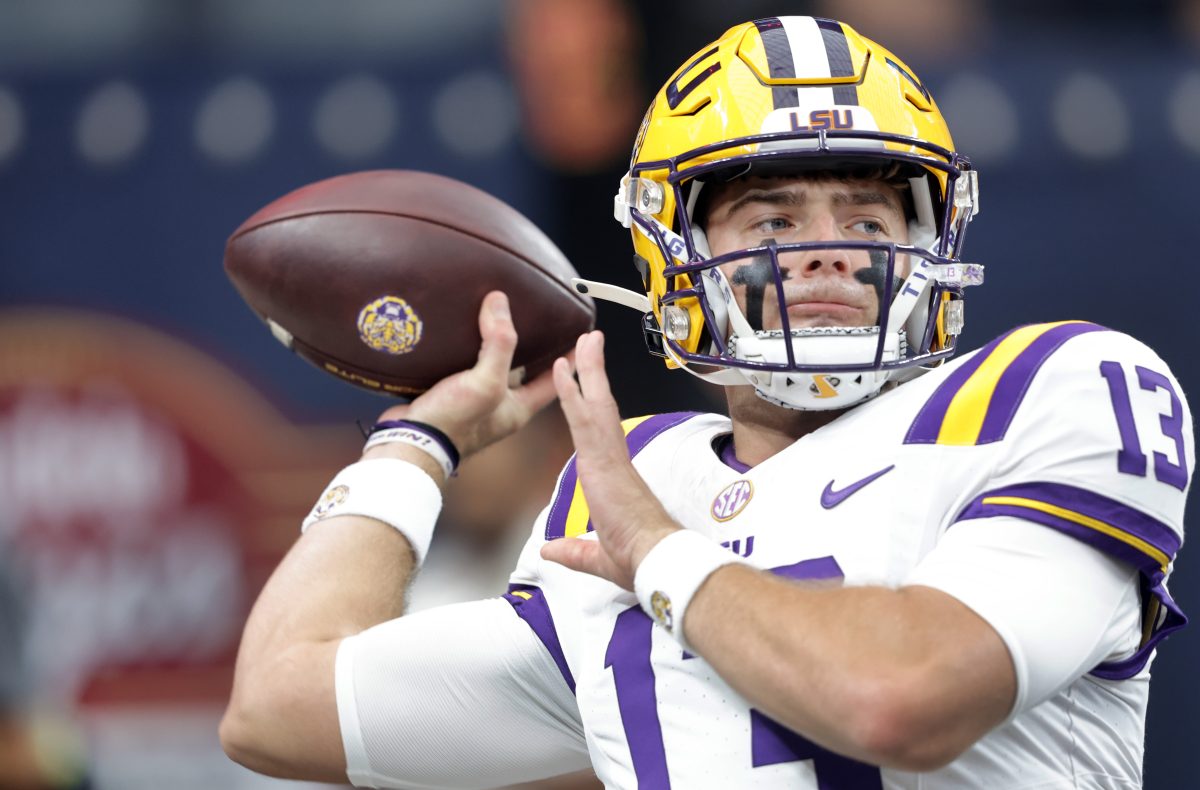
<point x="398" y="493"/>
<point x="672" y="572"/>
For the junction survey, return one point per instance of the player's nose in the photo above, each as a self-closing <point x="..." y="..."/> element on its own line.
<point x="828" y="262"/>
<point x="832" y="261"/>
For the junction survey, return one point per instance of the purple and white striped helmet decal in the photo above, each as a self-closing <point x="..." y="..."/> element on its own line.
<point x="780" y="61"/>
<point x="807" y="48"/>
<point x="837" y="52"/>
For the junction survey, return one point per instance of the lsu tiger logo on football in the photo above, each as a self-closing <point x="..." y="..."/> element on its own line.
<point x="732" y="500"/>
<point x="389" y="324"/>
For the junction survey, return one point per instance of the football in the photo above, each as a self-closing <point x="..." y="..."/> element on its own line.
<point x="377" y="278"/>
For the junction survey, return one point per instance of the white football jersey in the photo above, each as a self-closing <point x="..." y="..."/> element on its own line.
<point x="1061" y="432"/>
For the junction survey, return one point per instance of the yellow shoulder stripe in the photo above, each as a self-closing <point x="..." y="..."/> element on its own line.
<point x="1087" y="521"/>
<point x="579" y="513"/>
<point x="966" y="412"/>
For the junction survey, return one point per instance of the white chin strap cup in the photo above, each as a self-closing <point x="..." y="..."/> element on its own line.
<point x="814" y="348"/>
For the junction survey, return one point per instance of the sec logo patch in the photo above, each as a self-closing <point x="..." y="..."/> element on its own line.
<point x="732" y="500"/>
<point x="389" y="324"/>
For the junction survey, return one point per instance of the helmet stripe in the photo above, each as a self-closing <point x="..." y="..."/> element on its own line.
<point x="837" y="51"/>
<point x="809" y="58"/>
<point x="780" y="62"/>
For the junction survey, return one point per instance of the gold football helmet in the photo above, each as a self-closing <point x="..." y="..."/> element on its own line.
<point x="786" y="96"/>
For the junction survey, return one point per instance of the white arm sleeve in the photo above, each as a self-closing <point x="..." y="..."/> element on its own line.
<point x="455" y="697"/>
<point x="1061" y="606"/>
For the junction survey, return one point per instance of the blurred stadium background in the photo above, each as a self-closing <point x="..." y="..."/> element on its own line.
<point x="158" y="448"/>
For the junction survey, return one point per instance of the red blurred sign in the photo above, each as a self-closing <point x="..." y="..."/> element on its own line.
<point x="147" y="492"/>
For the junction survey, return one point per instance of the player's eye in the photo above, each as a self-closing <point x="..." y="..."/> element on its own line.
<point x="771" y="225"/>
<point x="870" y="227"/>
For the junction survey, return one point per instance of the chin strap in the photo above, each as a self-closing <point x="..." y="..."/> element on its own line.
<point x="612" y="293"/>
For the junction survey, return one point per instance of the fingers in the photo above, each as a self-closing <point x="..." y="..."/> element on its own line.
<point x="589" y="354"/>
<point x="589" y="405"/>
<point x="564" y="385"/>
<point x="589" y="363"/>
<point x="499" y="337"/>
<point x="537" y="394"/>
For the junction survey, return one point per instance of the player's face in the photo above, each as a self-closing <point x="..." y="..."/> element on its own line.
<point x="832" y="287"/>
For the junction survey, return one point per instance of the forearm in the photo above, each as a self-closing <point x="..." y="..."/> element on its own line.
<point x="350" y="572"/>
<point x="346" y="574"/>
<point x="905" y="677"/>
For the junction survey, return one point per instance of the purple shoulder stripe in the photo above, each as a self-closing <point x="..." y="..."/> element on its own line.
<point x="649" y="429"/>
<point x="1119" y="517"/>
<point x="637" y="439"/>
<point x="1010" y="389"/>
<point x="1109" y="526"/>
<point x="928" y="424"/>
<point x="556" y="521"/>
<point x="536" y="613"/>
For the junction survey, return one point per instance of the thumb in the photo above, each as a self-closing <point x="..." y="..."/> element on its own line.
<point x="586" y="556"/>
<point x="499" y="337"/>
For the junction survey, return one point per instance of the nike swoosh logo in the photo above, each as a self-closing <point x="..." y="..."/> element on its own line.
<point x="831" y="498"/>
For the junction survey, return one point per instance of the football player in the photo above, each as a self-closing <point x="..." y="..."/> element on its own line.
<point x="883" y="569"/>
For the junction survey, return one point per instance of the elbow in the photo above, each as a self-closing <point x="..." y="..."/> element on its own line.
<point x="235" y="738"/>
<point x="242" y="741"/>
<point x="896" y="728"/>
<point x="282" y="717"/>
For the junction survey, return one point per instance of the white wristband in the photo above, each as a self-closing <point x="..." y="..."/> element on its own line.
<point x="400" y="494"/>
<point x="415" y="438"/>
<point x="671" y="573"/>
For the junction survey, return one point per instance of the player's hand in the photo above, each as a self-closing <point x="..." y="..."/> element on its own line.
<point x="628" y="518"/>
<point x="477" y="407"/>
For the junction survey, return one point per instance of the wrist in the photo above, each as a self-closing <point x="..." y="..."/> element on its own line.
<point x="646" y="541"/>
<point x="672" y="572"/>
<point x="444" y="422"/>
<point x="423" y="437"/>
<point x="409" y="454"/>
<point x="389" y="490"/>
